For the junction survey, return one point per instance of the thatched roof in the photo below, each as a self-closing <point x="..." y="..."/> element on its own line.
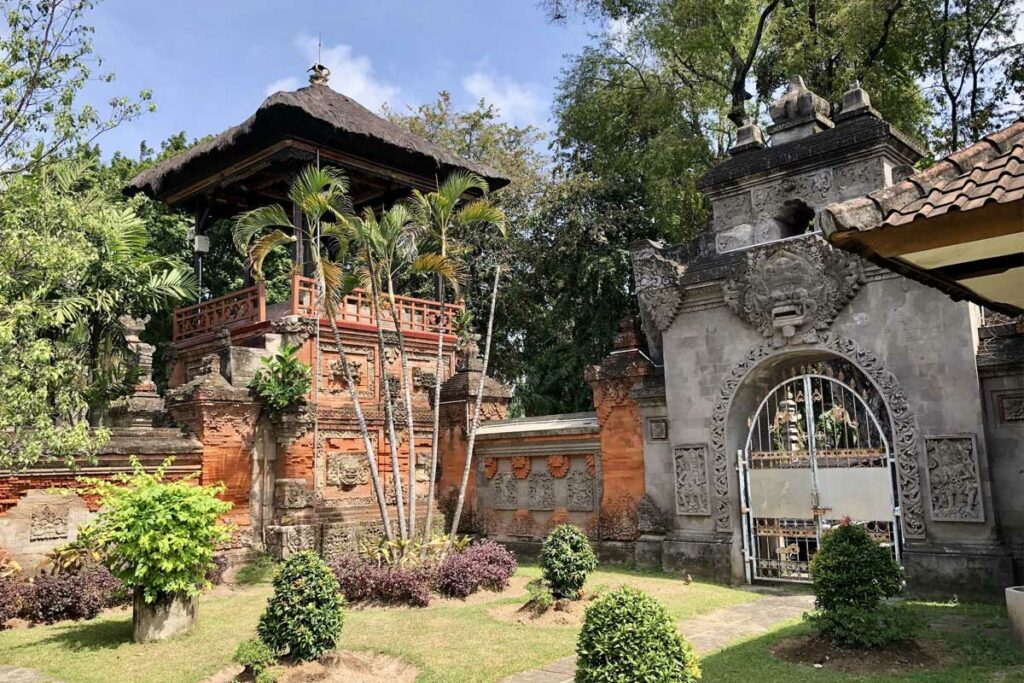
<point x="314" y="114"/>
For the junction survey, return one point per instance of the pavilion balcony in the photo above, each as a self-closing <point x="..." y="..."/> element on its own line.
<point x="247" y="309"/>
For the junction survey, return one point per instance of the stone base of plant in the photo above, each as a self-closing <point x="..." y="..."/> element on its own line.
<point x="168" y="616"/>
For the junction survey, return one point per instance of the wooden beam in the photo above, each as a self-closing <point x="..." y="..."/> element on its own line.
<point x="988" y="266"/>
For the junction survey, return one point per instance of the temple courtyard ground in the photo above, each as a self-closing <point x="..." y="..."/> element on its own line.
<point x="739" y="633"/>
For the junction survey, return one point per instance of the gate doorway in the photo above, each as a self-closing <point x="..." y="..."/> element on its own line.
<point x="816" y="453"/>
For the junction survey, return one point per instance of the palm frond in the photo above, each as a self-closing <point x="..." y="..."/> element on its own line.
<point x="251" y="223"/>
<point x="435" y="264"/>
<point x="458" y="183"/>
<point x="170" y="286"/>
<point x="262" y="247"/>
<point x="478" y="213"/>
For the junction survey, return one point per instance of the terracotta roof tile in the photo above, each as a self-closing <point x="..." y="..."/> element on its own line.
<point x="989" y="171"/>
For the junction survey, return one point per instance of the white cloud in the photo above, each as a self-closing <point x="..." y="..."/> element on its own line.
<point x="619" y="31"/>
<point x="518" y="102"/>
<point x="351" y="74"/>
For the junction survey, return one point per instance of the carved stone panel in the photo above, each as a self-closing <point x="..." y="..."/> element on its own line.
<point x="541" y="486"/>
<point x="658" y="430"/>
<point x="693" y="496"/>
<point x="506" y="491"/>
<point x="580" y="486"/>
<point x="291" y="494"/>
<point x="49" y="522"/>
<point x="347" y="469"/>
<point x="954" y="485"/>
<point x="792" y="291"/>
<point x="649" y="517"/>
<point x="1011" y="408"/>
<point x="285" y="541"/>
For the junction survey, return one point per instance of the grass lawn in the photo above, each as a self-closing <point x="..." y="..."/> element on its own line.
<point x="452" y="641"/>
<point x="448" y="641"/>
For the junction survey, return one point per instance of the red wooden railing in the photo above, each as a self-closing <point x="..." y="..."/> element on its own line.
<point x="239" y="308"/>
<point x="247" y="306"/>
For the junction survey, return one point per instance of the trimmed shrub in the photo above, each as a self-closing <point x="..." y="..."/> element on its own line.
<point x="255" y="656"/>
<point x="483" y="564"/>
<point x="363" y="580"/>
<point x="305" y="614"/>
<point x="566" y="559"/>
<point x="628" y="636"/>
<point x="853" y="576"/>
<point x="72" y="595"/>
<point x="540" y="596"/>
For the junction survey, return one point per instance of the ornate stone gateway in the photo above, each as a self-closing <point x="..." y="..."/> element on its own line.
<point x="816" y="453"/>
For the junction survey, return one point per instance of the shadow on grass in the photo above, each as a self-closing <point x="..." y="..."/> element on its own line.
<point x="977" y="634"/>
<point x="89" y="636"/>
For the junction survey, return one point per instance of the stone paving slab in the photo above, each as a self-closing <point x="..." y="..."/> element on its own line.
<point x="14" y="674"/>
<point x="707" y="633"/>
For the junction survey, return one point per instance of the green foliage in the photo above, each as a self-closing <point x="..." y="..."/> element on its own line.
<point x="304" y="616"/>
<point x="628" y="636"/>
<point x="259" y="571"/>
<point x="852" y="577"/>
<point x="155" y="534"/>
<point x="255" y="656"/>
<point x="540" y="594"/>
<point x="282" y="381"/>
<point x="566" y="560"/>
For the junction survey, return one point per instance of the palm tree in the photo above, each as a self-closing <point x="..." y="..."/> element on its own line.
<point x="445" y="216"/>
<point x="318" y="193"/>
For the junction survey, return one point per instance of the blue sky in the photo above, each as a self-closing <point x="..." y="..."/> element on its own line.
<point x="210" y="63"/>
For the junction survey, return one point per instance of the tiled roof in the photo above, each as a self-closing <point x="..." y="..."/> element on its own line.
<point x="989" y="171"/>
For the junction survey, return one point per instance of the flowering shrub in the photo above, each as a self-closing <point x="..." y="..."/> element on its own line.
<point x="363" y="580"/>
<point x="71" y="595"/>
<point x="484" y="564"/>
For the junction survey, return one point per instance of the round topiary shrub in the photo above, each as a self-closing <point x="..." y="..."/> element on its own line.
<point x="304" y="615"/>
<point x="628" y="636"/>
<point x="853" y="575"/>
<point x="566" y="559"/>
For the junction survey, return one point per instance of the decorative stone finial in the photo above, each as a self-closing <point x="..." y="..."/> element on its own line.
<point x="748" y="136"/>
<point x="629" y="336"/>
<point x="319" y="74"/>
<point x="798" y="113"/>
<point x="856" y="102"/>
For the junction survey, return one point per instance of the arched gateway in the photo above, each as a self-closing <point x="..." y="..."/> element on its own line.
<point x="817" y="451"/>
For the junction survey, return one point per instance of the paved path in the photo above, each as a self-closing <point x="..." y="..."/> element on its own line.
<point x="14" y="674"/>
<point x="707" y="633"/>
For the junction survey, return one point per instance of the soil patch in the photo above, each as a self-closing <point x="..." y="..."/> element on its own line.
<point x="337" y="667"/>
<point x="564" y="613"/>
<point x="818" y="651"/>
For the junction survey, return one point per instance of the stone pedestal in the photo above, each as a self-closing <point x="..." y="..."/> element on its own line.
<point x="169" y="616"/>
<point x="1015" y="608"/>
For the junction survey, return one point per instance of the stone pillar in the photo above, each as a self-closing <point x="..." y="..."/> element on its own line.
<point x="458" y="399"/>
<point x="622" y="440"/>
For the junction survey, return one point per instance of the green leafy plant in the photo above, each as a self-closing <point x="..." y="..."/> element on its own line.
<point x="282" y="381"/>
<point x="540" y="595"/>
<point x="305" y="614"/>
<point x="254" y="656"/>
<point x="853" y="576"/>
<point x="566" y="559"/>
<point x="158" y="535"/>
<point x="628" y="636"/>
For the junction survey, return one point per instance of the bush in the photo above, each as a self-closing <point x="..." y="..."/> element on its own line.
<point x="255" y="656"/>
<point x="71" y="595"/>
<point x="540" y="595"/>
<point x="305" y="614"/>
<point x="363" y="580"/>
<point x="566" y="559"/>
<point x="282" y="381"/>
<point x="628" y="636"/>
<point x="158" y="535"/>
<point x="12" y="595"/>
<point x="852" y="576"/>
<point x="483" y="564"/>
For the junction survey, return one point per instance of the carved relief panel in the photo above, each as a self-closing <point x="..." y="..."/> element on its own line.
<point x="954" y="485"/>
<point x="541" y="486"/>
<point x="506" y="491"/>
<point x="580" y="487"/>
<point x="693" y="496"/>
<point x="361" y="364"/>
<point x="49" y="522"/>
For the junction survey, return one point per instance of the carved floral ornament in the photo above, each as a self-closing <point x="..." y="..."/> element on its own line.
<point x="657" y="286"/>
<point x="905" y="429"/>
<point x="792" y="291"/>
<point x="558" y="465"/>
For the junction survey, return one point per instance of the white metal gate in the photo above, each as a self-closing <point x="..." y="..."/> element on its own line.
<point x="815" y="453"/>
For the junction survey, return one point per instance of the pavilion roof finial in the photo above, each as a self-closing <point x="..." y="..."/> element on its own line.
<point x="319" y="74"/>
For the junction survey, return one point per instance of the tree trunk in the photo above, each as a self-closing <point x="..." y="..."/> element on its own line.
<point x="476" y="414"/>
<point x="431" y="482"/>
<point x="404" y="385"/>
<point x="389" y="415"/>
